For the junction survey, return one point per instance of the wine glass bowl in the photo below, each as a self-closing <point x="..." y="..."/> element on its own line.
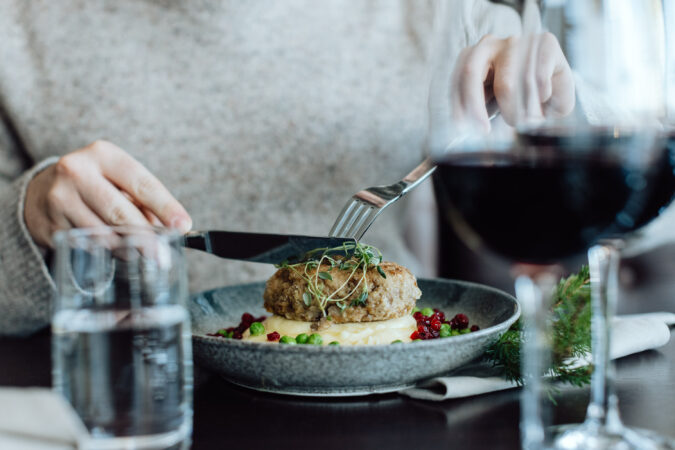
<point x="549" y="195"/>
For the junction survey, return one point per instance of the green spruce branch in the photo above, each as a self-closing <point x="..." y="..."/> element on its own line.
<point x="571" y="335"/>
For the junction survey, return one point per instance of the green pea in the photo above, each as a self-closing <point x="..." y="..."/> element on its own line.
<point x="334" y="343"/>
<point x="301" y="338"/>
<point x="417" y="340"/>
<point x="287" y="340"/>
<point x="257" y="329"/>
<point x="454" y="333"/>
<point x="465" y="331"/>
<point x="315" y="339"/>
<point x="446" y="327"/>
<point x="397" y="341"/>
<point x="427" y="312"/>
<point x="223" y="332"/>
<point x="445" y="332"/>
<point x="415" y="309"/>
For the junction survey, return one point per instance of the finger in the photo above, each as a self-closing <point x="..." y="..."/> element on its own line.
<point x="58" y="197"/>
<point x="546" y="64"/>
<point x="80" y="215"/>
<point x="456" y="87"/>
<point x="563" y="97"/>
<point x="473" y="75"/>
<point x="506" y="81"/>
<point x="57" y="222"/>
<point x="532" y="103"/>
<point x="58" y="200"/>
<point x="149" y="215"/>
<point x="106" y="201"/>
<point x="554" y="78"/>
<point x="153" y="219"/>
<point x="146" y="190"/>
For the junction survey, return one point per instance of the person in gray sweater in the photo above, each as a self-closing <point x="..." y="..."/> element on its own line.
<point x="259" y="115"/>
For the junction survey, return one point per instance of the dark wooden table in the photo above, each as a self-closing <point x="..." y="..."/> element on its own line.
<point x="227" y="416"/>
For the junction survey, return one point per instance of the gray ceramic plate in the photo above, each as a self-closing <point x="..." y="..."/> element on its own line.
<point x="343" y="370"/>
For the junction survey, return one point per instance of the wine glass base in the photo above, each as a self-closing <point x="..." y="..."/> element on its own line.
<point x="594" y="437"/>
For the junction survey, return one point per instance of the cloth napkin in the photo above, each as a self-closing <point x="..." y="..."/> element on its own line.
<point x="630" y="334"/>
<point x="38" y="419"/>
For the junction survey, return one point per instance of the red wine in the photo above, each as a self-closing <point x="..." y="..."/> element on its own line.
<point x="554" y="196"/>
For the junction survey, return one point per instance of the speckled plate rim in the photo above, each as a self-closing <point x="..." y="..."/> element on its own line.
<point x="367" y="347"/>
<point x="352" y="391"/>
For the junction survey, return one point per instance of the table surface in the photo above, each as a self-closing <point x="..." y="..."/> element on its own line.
<point x="227" y="416"/>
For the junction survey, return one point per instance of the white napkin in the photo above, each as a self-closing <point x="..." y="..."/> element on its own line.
<point x="630" y="334"/>
<point x="38" y="419"/>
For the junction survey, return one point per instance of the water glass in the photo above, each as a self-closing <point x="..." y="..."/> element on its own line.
<point x="121" y="349"/>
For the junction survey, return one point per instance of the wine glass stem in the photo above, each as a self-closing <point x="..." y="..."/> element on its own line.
<point x="534" y="292"/>
<point x="604" y="268"/>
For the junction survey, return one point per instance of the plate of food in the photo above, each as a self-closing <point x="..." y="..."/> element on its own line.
<point x="341" y="325"/>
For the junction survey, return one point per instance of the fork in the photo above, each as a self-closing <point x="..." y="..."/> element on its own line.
<point x="365" y="206"/>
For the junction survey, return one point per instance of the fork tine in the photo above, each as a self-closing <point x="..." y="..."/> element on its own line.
<point x="339" y="226"/>
<point x="359" y="217"/>
<point x="356" y="217"/>
<point x="374" y="213"/>
<point x="363" y="220"/>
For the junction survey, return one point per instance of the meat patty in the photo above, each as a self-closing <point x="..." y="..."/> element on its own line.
<point x="388" y="298"/>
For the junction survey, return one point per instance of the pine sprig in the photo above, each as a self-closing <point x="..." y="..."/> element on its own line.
<point x="571" y="335"/>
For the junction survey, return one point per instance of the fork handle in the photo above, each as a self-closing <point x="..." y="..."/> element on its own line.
<point x="417" y="175"/>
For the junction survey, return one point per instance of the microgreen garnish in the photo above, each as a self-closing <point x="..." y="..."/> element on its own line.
<point x="355" y="258"/>
<point x="361" y="301"/>
<point x="307" y="298"/>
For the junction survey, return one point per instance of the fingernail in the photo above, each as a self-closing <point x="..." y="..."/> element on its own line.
<point x="182" y="224"/>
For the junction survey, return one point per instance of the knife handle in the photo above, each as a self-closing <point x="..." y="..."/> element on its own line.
<point x="198" y="240"/>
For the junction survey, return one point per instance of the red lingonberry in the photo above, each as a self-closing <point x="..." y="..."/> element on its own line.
<point x="461" y="320"/>
<point x="273" y="336"/>
<point x="236" y="335"/>
<point x="435" y="325"/>
<point x="417" y="315"/>
<point x="415" y="335"/>
<point x="247" y="319"/>
<point x="475" y="328"/>
<point x="422" y="328"/>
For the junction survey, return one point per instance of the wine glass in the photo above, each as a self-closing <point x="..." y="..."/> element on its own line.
<point x="547" y="182"/>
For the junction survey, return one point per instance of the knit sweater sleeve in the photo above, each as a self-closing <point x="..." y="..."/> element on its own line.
<point x="25" y="284"/>
<point x="489" y="18"/>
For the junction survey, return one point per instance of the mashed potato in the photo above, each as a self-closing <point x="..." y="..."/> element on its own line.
<point x="364" y="333"/>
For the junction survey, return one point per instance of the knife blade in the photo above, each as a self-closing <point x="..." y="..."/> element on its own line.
<point x="260" y="247"/>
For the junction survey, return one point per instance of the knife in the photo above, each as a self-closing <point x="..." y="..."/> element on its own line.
<point x="262" y="248"/>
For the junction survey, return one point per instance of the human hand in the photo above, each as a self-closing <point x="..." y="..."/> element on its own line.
<point x="98" y="185"/>
<point x="489" y="71"/>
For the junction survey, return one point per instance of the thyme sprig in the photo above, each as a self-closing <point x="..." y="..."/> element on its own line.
<point x="571" y="335"/>
<point x="355" y="258"/>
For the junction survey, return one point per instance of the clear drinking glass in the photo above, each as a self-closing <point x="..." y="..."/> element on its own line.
<point x="543" y="183"/>
<point x="121" y="343"/>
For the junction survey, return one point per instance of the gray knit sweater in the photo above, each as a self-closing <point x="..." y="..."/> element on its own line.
<point x="257" y="115"/>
